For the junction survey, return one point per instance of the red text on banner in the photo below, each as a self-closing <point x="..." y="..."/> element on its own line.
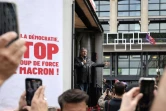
<point x="41" y="50"/>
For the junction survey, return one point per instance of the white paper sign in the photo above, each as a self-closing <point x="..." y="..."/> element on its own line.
<point x="41" y="24"/>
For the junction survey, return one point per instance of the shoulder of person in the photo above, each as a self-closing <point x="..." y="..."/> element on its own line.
<point x="77" y="58"/>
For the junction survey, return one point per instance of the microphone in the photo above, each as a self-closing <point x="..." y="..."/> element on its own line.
<point x="84" y="57"/>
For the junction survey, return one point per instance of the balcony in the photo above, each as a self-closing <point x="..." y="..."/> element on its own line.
<point x="133" y="38"/>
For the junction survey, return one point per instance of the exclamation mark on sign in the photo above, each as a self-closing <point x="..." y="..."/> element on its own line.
<point x="57" y="71"/>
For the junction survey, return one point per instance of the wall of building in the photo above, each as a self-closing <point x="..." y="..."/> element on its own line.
<point x="132" y="16"/>
<point x="67" y="41"/>
<point x="144" y="20"/>
<point x="147" y="11"/>
<point x="113" y="16"/>
<point x="99" y="50"/>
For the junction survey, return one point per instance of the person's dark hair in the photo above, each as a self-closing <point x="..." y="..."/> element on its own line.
<point x="83" y="48"/>
<point x="72" y="96"/>
<point x="119" y="88"/>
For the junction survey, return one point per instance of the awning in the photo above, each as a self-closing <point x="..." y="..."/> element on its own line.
<point x="85" y="16"/>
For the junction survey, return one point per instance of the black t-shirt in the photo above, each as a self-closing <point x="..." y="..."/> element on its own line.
<point x="113" y="105"/>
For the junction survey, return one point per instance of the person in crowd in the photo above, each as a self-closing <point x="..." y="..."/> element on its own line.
<point x="116" y="80"/>
<point x="105" y="85"/>
<point x="107" y="95"/>
<point x="113" y="90"/>
<point x="125" y="84"/>
<point x="114" y="104"/>
<point x="10" y="56"/>
<point x="83" y="69"/>
<point x="73" y="100"/>
<point x="38" y="101"/>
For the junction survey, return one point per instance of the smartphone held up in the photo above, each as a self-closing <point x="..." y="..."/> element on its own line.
<point x="31" y="85"/>
<point x="147" y="86"/>
<point x="8" y="18"/>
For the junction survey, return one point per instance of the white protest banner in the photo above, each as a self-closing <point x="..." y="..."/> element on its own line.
<point x="41" y="24"/>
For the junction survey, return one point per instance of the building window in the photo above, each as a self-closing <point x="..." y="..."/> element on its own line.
<point x="157" y="7"/>
<point x="144" y="64"/>
<point x="123" y="65"/>
<point x="106" y="28"/>
<point x="162" y="63"/>
<point x="153" y="64"/>
<point x="103" y="8"/>
<point x="129" y="27"/>
<point x="105" y="38"/>
<point x="153" y="27"/>
<point x="129" y="65"/>
<point x="129" y="8"/>
<point x="157" y="27"/>
<point x="135" y="64"/>
<point x="106" y="69"/>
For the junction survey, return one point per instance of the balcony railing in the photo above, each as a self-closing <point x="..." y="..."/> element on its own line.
<point x="144" y="41"/>
<point x="134" y="37"/>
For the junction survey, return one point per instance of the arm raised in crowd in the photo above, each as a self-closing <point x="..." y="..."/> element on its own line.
<point x="10" y="56"/>
<point x="102" y="100"/>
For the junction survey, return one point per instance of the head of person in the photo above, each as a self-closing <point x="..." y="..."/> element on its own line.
<point x="83" y="52"/>
<point x="125" y="84"/>
<point x="104" y="80"/>
<point x="108" y="94"/>
<point x="119" y="88"/>
<point x="73" y="100"/>
<point x="116" y="80"/>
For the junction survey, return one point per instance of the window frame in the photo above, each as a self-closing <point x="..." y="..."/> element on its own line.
<point x="129" y="9"/>
<point x="151" y="12"/>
